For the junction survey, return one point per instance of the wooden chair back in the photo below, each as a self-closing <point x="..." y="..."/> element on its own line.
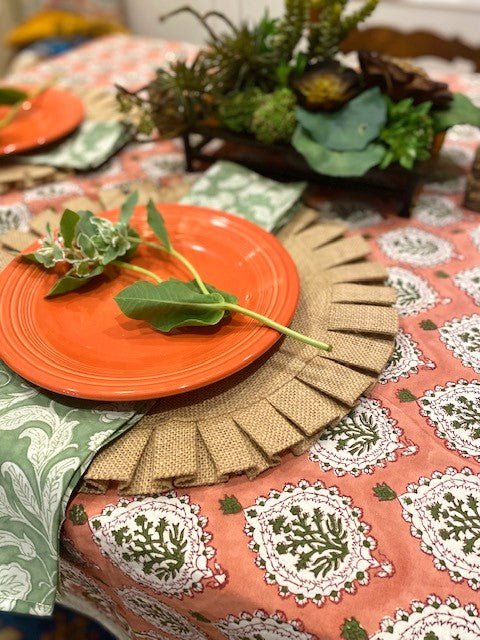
<point x="410" y="45"/>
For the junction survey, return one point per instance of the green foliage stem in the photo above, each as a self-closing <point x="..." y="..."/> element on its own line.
<point x="333" y="25"/>
<point x="290" y="28"/>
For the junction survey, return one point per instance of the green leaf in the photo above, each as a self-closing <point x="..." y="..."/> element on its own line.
<point x="67" y="226"/>
<point x="86" y="245"/>
<point x="31" y="257"/>
<point x="228" y="297"/>
<point x="127" y="207"/>
<point x="337" y="163"/>
<point x="460" y="111"/>
<point x="157" y="225"/>
<point x="70" y="283"/>
<point x="10" y="96"/>
<point x="170" y="304"/>
<point x="84" y="224"/>
<point x="350" y="128"/>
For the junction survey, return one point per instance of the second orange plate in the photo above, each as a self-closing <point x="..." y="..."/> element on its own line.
<point x="80" y="344"/>
<point x="48" y="117"/>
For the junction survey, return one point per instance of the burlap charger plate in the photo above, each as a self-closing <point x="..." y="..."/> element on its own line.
<point x="283" y="401"/>
<point x="280" y="403"/>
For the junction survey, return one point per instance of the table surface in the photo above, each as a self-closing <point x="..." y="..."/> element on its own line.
<point x="374" y="533"/>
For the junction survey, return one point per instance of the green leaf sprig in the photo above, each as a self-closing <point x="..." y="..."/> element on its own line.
<point x="88" y="243"/>
<point x="408" y="133"/>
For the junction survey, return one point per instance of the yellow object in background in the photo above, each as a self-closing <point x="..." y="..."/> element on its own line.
<point x="55" y="23"/>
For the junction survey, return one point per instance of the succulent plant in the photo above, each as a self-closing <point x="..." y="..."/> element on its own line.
<point x="400" y="79"/>
<point x="408" y="133"/>
<point x="326" y="86"/>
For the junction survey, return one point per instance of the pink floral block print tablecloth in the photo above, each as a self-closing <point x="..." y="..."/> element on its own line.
<point x="374" y="533"/>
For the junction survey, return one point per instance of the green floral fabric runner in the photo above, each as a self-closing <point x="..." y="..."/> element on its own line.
<point x="230" y="187"/>
<point x="47" y="441"/>
<point x="88" y="148"/>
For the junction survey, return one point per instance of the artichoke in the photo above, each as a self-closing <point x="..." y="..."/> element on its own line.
<point x="236" y="111"/>
<point x="400" y="79"/>
<point x="326" y="86"/>
<point x="275" y="119"/>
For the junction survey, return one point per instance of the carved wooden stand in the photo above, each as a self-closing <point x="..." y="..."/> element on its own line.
<point x="282" y="162"/>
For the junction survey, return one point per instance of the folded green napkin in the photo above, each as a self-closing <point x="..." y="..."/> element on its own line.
<point x="88" y="148"/>
<point x="47" y="441"/>
<point x="230" y="187"/>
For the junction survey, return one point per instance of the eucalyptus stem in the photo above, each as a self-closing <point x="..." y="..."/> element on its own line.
<point x="278" y="327"/>
<point x="134" y="267"/>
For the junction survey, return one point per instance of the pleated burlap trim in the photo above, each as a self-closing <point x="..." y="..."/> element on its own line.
<point x="282" y="401"/>
<point x="100" y="105"/>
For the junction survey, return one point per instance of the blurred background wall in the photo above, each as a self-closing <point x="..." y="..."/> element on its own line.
<point x="447" y="17"/>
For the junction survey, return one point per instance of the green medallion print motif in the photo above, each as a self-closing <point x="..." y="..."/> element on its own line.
<point x="434" y="619"/>
<point x="436" y="211"/>
<point x="14" y="216"/>
<point x="311" y="543"/>
<point x="462" y="337"/>
<point x="355" y="214"/>
<point x="157" y="613"/>
<point x="367" y="438"/>
<point x="444" y="512"/>
<point x="416" y="247"/>
<point x="160" y="542"/>
<point x="82" y="593"/>
<point x="406" y="359"/>
<point x="45" y="448"/>
<point x="414" y="294"/>
<point x="261" y="626"/>
<point x="454" y="412"/>
<point x="469" y="282"/>
<point x="53" y="190"/>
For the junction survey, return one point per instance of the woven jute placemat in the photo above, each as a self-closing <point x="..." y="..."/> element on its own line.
<point x="281" y="402"/>
<point x="100" y="106"/>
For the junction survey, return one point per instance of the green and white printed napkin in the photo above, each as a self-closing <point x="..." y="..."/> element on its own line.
<point x="230" y="187"/>
<point x="46" y="443"/>
<point x="88" y="148"/>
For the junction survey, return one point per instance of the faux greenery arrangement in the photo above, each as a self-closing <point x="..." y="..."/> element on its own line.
<point x="86" y="245"/>
<point x="281" y="81"/>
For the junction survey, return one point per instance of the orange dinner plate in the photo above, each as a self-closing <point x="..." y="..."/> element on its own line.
<point x="48" y="117"/>
<point x="80" y="344"/>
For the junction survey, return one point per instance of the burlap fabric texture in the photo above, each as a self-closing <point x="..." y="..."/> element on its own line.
<point x="281" y="402"/>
